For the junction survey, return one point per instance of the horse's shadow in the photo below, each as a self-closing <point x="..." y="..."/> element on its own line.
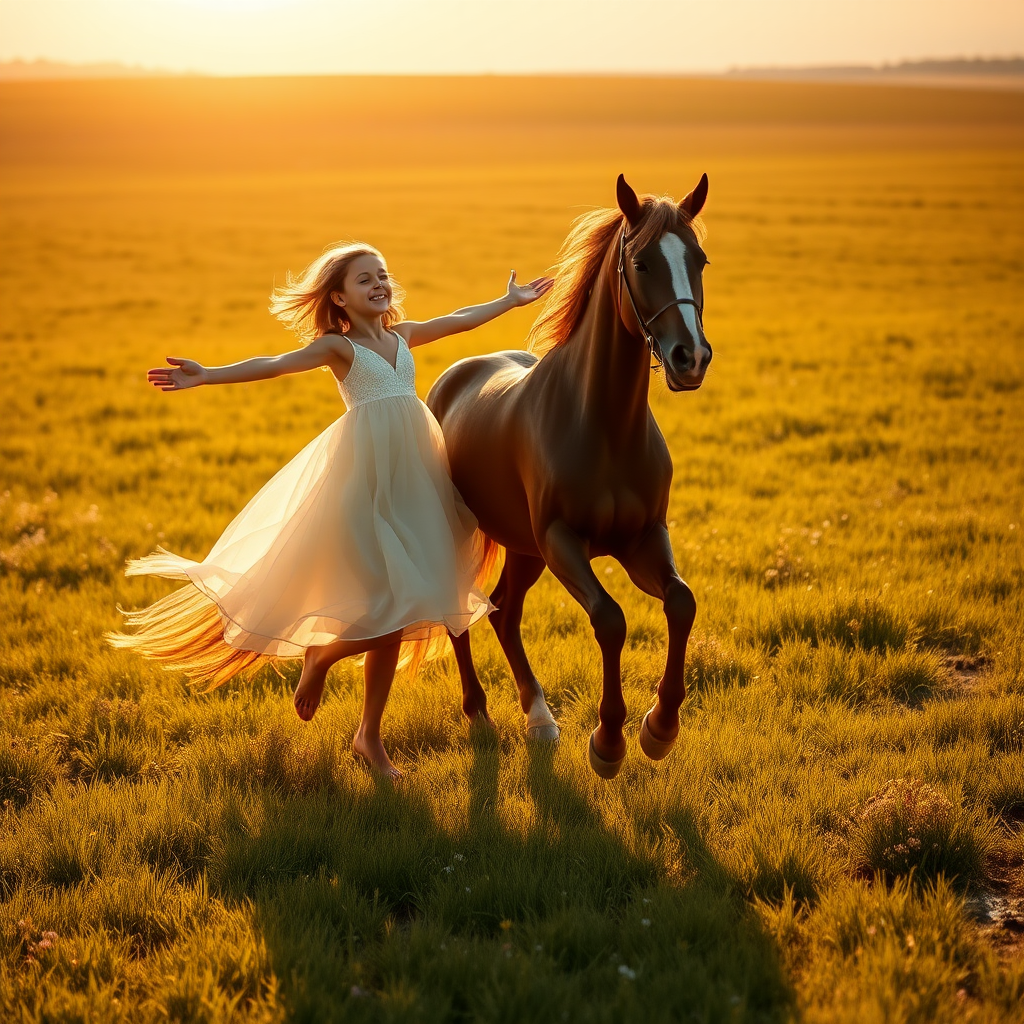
<point x="368" y="906"/>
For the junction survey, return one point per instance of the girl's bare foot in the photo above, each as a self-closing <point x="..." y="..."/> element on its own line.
<point x="310" y="687"/>
<point x="374" y="754"/>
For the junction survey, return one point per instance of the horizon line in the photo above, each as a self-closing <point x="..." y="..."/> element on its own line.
<point x="118" y="69"/>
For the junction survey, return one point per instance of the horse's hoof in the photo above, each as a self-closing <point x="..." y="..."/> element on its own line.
<point x="541" y="724"/>
<point x="606" y="769"/>
<point x="543" y="733"/>
<point x="654" y="748"/>
<point x="482" y="725"/>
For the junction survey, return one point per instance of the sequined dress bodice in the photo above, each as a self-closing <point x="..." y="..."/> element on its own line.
<point x="371" y="377"/>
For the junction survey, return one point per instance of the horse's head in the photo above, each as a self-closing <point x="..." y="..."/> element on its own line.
<point x="660" y="282"/>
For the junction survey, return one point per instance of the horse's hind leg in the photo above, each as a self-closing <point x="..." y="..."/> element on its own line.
<point x="652" y="568"/>
<point x="519" y="573"/>
<point x="474" y="700"/>
<point x="568" y="557"/>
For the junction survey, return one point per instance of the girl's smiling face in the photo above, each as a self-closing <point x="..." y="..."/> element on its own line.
<point x="366" y="290"/>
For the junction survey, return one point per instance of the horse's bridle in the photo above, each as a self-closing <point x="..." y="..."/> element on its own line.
<point x="645" y="330"/>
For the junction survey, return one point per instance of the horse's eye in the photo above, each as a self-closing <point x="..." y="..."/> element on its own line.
<point x="640" y="266"/>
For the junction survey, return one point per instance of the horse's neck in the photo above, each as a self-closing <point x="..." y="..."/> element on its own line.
<point x="612" y="368"/>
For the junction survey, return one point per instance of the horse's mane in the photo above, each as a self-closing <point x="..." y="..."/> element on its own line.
<point x="580" y="259"/>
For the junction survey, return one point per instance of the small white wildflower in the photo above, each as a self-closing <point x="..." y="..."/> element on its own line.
<point x="627" y="972"/>
<point x="646" y="922"/>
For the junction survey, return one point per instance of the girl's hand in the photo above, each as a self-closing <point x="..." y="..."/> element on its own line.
<point x="182" y="373"/>
<point x="524" y="294"/>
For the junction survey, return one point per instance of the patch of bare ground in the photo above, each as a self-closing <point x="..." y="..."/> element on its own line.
<point x="1001" y="923"/>
<point x="967" y="672"/>
<point x="999" y="908"/>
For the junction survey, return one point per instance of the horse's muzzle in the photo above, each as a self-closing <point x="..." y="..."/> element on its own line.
<point x="693" y="376"/>
<point x="689" y="382"/>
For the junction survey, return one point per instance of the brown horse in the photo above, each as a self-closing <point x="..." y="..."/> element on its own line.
<point x="561" y="460"/>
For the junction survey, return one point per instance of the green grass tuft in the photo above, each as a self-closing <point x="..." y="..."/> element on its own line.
<point x="909" y="827"/>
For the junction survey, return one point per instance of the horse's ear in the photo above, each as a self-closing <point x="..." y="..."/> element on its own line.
<point x="628" y="202"/>
<point x="694" y="202"/>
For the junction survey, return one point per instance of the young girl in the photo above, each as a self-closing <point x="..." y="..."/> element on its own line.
<point x="359" y="544"/>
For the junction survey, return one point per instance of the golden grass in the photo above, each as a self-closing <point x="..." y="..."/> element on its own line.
<point x="848" y="504"/>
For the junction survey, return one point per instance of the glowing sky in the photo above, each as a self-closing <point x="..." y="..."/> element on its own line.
<point x="311" y="36"/>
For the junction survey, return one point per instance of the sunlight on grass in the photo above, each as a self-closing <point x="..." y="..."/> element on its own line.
<point x="846" y="506"/>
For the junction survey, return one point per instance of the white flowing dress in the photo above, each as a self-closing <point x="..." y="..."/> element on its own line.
<point x="360" y="535"/>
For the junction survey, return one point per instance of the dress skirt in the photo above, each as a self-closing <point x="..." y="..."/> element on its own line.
<point x="362" y="534"/>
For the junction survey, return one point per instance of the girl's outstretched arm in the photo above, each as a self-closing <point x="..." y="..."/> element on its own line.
<point x="421" y="332"/>
<point x="186" y="373"/>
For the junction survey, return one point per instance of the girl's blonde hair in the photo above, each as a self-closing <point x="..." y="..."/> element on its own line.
<point x="304" y="303"/>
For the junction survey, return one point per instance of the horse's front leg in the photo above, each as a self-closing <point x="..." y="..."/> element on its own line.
<point x="568" y="558"/>
<point x="651" y="566"/>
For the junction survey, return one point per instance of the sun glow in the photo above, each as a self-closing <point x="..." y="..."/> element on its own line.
<point x="236" y="5"/>
<point x="274" y="37"/>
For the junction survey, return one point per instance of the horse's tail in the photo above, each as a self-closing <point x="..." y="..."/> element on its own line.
<point x="493" y="555"/>
<point x="185" y="633"/>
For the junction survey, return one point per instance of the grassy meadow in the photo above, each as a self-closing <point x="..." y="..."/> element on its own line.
<point x="837" y="836"/>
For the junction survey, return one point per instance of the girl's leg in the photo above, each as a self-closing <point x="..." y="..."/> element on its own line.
<point x="318" y="660"/>
<point x="378" y="674"/>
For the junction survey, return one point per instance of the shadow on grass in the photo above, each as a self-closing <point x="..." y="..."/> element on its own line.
<point x="530" y="907"/>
